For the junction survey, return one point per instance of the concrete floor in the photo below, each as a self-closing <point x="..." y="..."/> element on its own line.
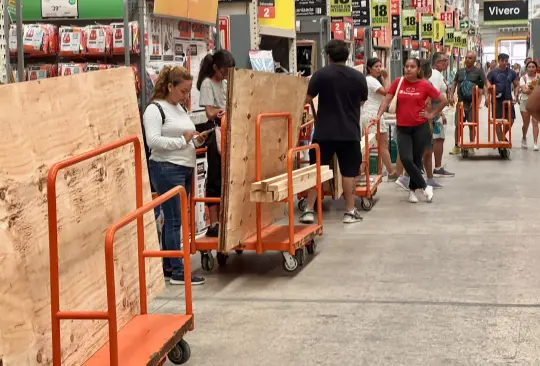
<point x="455" y="282"/>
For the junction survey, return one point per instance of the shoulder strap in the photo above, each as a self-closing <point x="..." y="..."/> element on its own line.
<point x="161" y="112"/>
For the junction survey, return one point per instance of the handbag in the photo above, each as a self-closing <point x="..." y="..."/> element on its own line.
<point x="393" y="104"/>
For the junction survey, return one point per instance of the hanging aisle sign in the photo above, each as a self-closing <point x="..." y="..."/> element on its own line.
<point x="457" y="39"/>
<point x="438" y="31"/>
<point x="408" y="20"/>
<point x="310" y="7"/>
<point x="59" y="9"/>
<point x="380" y="13"/>
<point x="267" y="9"/>
<point x="340" y="8"/>
<point x="427" y="27"/>
<point x="395" y="9"/>
<point x="449" y="37"/>
<point x="511" y="12"/>
<point x="361" y="13"/>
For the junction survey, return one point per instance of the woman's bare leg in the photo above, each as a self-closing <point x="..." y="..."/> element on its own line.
<point x="385" y="154"/>
<point x="535" y="131"/>
<point x="525" y="129"/>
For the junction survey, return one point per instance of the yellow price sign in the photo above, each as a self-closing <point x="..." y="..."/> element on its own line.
<point x="427" y="27"/>
<point x="340" y="8"/>
<point x="380" y="13"/>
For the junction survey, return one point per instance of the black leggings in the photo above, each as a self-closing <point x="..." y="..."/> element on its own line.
<point x="412" y="142"/>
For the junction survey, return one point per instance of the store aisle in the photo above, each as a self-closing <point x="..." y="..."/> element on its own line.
<point x="455" y="282"/>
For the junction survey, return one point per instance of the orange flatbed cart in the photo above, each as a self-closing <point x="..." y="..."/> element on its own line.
<point x="368" y="191"/>
<point x="148" y="339"/>
<point x="293" y="241"/>
<point x="493" y="123"/>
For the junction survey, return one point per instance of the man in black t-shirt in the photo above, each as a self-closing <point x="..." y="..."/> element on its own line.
<point x="341" y="91"/>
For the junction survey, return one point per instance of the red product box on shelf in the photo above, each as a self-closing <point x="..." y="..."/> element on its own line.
<point x="72" y="41"/>
<point x="98" y="39"/>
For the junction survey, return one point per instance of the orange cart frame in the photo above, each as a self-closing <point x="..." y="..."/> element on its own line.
<point x="294" y="241"/>
<point x="493" y="123"/>
<point x="368" y="191"/>
<point x="148" y="338"/>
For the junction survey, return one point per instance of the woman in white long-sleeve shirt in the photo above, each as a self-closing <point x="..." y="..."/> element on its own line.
<point x="171" y="137"/>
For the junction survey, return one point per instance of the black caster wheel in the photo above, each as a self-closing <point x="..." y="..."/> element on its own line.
<point x="180" y="354"/>
<point x="300" y="255"/>
<point x="464" y="153"/>
<point x="505" y="153"/>
<point x="239" y="251"/>
<point x="312" y="247"/>
<point x="302" y="204"/>
<point x="222" y="259"/>
<point x="290" y="265"/>
<point x="207" y="261"/>
<point x="366" y="204"/>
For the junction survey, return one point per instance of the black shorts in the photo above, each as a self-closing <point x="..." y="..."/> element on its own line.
<point x="467" y="115"/>
<point x="348" y="155"/>
<point x="499" y="110"/>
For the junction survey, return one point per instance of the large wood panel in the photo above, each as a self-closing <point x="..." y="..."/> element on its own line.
<point x="44" y="122"/>
<point x="250" y="94"/>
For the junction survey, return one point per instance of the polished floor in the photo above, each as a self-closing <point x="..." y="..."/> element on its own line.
<point x="454" y="282"/>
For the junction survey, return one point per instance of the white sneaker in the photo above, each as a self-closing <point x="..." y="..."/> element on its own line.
<point x="428" y="193"/>
<point x="524" y="143"/>
<point x="535" y="148"/>
<point x="412" y="197"/>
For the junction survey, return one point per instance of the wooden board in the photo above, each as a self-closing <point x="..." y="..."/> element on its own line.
<point x="277" y="196"/>
<point x="250" y="94"/>
<point x="44" y="122"/>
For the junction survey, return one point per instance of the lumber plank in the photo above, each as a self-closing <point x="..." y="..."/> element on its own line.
<point x="277" y="196"/>
<point x="297" y="179"/>
<point x="250" y="94"/>
<point x="44" y="122"/>
<point x="263" y="184"/>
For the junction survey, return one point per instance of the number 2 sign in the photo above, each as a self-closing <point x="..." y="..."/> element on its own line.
<point x="266" y="9"/>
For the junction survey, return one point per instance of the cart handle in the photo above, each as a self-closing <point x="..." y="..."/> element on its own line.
<point x="260" y="117"/>
<point x="56" y="314"/>
<point x="290" y="188"/>
<point x="142" y="254"/>
<point x="373" y="122"/>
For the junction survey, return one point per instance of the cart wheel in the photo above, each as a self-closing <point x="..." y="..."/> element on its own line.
<point x="366" y="204"/>
<point x="290" y="265"/>
<point x="302" y="204"/>
<point x="505" y="153"/>
<point x="180" y="354"/>
<point x="312" y="247"/>
<point x="239" y="251"/>
<point x="207" y="261"/>
<point x="222" y="259"/>
<point x="300" y="255"/>
<point x="464" y="153"/>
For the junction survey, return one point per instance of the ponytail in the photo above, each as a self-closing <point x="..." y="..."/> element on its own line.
<point x="222" y="59"/>
<point x="206" y="70"/>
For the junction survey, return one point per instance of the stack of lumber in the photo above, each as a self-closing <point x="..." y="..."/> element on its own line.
<point x="252" y="93"/>
<point x="276" y="189"/>
<point x="44" y="122"/>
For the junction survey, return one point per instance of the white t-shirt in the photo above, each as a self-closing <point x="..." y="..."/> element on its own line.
<point x="166" y="140"/>
<point x="374" y="100"/>
<point x="438" y="81"/>
<point x="524" y="80"/>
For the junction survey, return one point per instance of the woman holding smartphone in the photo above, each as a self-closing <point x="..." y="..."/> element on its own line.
<point x="171" y="137"/>
<point x="212" y="84"/>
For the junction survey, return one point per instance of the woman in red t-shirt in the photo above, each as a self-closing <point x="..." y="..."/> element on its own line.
<point x="413" y="132"/>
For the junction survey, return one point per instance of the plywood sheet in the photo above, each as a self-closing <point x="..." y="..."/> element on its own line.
<point x="250" y="94"/>
<point x="44" y="122"/>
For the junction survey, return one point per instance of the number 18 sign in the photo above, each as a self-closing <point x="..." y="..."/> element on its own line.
<point x="380" y="11"/>
<point x="59" y="9"/>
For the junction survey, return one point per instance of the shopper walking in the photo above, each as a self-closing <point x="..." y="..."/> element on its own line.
<point x="439" y="64"/>
<point x="527" y="84"/>
<point x="212" y="84"/>
<point x="464" y="82"/>
<point x="413" y="131"/>
<point x="341" y="91"/>
<point x="378" y="84"/>
<point x="171" y="137"/>
<point x="506" y="83"/>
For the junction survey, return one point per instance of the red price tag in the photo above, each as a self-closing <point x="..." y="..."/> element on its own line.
<point x="406" y="42"/>
<point x="425" y="44"/>
<point x="267" y="12"/>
